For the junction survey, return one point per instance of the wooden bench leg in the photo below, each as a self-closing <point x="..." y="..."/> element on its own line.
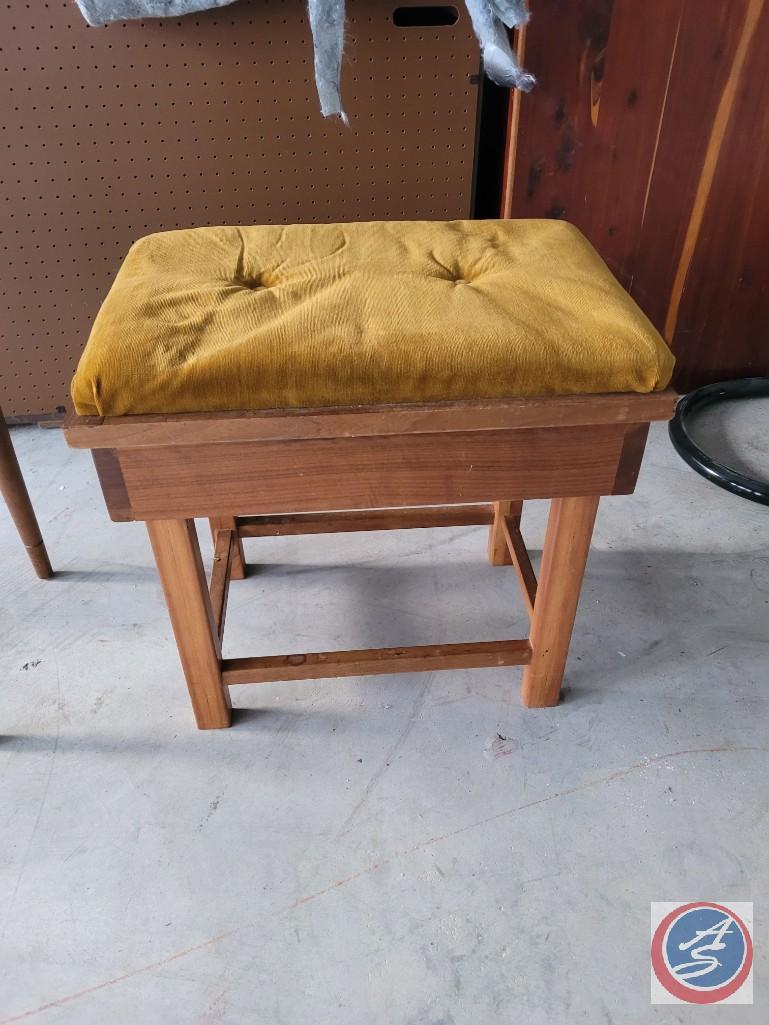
<point x="15" y="493"/>
<point x="238" y="570"/>
<point x="567" y="542"/>
<point x="499" y="553"/>
<point x="177" y="554"/>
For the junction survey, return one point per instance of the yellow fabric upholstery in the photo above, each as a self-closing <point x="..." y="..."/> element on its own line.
<point x="345" y="314"/>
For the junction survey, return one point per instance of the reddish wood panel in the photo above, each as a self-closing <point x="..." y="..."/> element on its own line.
<point x="649" y="129"/>
<point x="238" y="478"/>
<point x="723" y="319"/>
<point x="159" y="430"/>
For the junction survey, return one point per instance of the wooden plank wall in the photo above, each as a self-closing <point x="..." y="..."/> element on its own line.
<point x="650" y="130"/>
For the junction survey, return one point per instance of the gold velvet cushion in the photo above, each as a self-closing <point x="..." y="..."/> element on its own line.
<point x="345" y="314"/>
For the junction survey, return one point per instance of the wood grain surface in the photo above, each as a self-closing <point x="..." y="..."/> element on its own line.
<point x="649" y="129"/>
<point x="159" y="430"/>
<point x="242" y="478"/>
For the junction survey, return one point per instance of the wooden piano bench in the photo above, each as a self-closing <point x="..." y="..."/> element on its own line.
<point x="306" y="471"/>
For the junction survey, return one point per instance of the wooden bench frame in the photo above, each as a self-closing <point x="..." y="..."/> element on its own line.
<point x="297" y="471"/>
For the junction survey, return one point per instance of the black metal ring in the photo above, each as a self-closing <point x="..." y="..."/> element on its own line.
<point x="724" y="476"/>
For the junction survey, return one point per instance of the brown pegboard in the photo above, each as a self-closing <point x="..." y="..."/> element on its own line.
<point x="110" y="133"/>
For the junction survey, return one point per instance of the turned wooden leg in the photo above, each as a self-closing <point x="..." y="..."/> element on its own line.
<point x="499" y="553"/>
<point x="238" y="570"/>
<point x="177" y="554"/>
<point x="14" y="491"/>
<point x="567" y="541"/>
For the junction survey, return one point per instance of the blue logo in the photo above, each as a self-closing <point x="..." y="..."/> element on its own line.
<point x="705" y="948"/>
<point x="702" y="952"/>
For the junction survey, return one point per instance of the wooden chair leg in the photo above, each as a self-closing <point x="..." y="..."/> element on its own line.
<point x="15" y="493"/>
<point x="499" y="553"/>
<point x="567" y="542"/>
<point x="177" y="554"/>
<point x="238" y="570"/>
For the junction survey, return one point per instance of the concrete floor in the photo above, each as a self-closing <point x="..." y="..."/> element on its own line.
<point x="414" y="850"/>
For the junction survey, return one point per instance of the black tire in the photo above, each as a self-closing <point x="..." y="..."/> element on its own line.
<point x="724" y="476"/>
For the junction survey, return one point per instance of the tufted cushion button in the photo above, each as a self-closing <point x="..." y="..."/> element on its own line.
<point x="251" y="281"/>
